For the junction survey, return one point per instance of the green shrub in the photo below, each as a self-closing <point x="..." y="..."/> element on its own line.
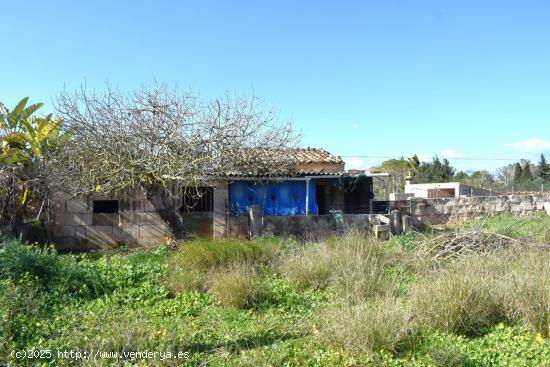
<point x="361" y="269"/>
<point x="17" y="260"/>
<point x="35" y="233"/>
<point x="236" y="285"/>
<point x="353" y="267"/>
<point x="49" y="270"/>
<point x="188" y="268"/>
<point x="20" y="310"/>
<point x="382" y="323"/>
<point x="476" y="292"/>
<point x="308" y="268"/>
<point x="456" y="302"/>
<point x="205" y="254"/>
<point x="526" y="289"/>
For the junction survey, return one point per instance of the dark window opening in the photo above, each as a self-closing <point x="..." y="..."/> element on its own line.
<point x="320" y="199"/>
<point x="198" y="200"/>
<point x="105" y="206"/>
<point x="358" y="201"/>
<point x="441" y="193"/>
<point x="381" y="207"/>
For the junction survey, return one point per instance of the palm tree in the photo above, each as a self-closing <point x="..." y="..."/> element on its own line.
<point x="25" y="141"/>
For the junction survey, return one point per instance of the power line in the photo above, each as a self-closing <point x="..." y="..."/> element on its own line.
<point x="449" y="158"/>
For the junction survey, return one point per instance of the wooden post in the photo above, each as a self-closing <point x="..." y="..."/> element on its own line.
<point x="406" y="223"/>
<point x="307" y="196"/>
<point x="255" y="221"/>
<point x="396" y="226"/>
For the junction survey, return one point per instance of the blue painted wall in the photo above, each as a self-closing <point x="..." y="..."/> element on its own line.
<point x="276" y="198"/>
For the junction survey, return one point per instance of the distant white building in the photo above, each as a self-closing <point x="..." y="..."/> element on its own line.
<point x="445" y="190"/>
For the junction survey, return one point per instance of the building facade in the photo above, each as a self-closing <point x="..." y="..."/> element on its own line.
<point x="317" y="186"/>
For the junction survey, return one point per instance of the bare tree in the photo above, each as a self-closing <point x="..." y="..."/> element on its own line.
<point x="505" y="173"/>
<point x="158" y="136"/>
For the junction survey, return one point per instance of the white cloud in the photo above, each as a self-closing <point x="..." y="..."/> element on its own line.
<point x="449" y="153"/>
<point x="355" y="163"/>
<point x="532" y="145"/>
<point x="361" y="162"/>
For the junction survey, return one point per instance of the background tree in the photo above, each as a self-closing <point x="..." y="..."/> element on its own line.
<point x="481" y="178"/>
<point x="414" y="164"/>
<point x="543" y="168"/>
<point x="518" y="173"/>
<point x="461" y="176"/>
<point x="398" y="169"/>
<point x="434" y="171"/>
<point x="505" y="174"/>
<point x="526" y="175"/>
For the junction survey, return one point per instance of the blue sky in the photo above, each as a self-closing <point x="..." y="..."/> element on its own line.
<point x="365" y="79"/>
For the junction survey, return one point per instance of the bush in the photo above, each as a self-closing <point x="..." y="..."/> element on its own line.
<point x="527" y="289"/>
<point x="50" y="271"/>
<point x="363" y="269"/>
<point x="20" y="310"/>
<point x="380" y="324"/>
<point x="188" y="268"/>
<point x="476" y="292"/>
<point x="236" y="285"/>
<point x="456" y="302"/>
<point x="308" y="268"/>
<point x="353" y="267"/>
<point x="204" y="254"/>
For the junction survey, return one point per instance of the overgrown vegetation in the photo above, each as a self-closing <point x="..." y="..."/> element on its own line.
<point x="534" y="227"/>
<point x="346" y="301"/>
<point x="27" y="144"/>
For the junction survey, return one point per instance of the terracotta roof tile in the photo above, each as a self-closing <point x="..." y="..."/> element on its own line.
<point x="313" y="155"/>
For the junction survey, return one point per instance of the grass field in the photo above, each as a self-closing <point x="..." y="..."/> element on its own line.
<point x="532" y="227"/>
<point x="346" y="301"/>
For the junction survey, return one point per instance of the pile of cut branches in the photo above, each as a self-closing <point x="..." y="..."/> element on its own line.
<point x="475" y="241"/>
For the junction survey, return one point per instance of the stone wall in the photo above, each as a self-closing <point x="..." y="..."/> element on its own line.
<point x="443" y="210"/>
<point x="313" y="226"/>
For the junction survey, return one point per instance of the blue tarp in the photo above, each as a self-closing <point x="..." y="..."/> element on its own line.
<point x="276" y="198"/>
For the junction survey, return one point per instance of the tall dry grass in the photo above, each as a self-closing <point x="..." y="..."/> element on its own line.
<point x="381" y="323"/>
<point x="236" y="285"/>
<point x="189" y="267"/>
<point x="354" y="267"/>
<point x="472" y="293"/>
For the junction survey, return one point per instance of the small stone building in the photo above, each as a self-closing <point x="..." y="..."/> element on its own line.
<point x="317" y="186"/>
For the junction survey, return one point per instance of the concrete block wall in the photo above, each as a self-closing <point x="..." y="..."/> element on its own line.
<point x="443" y="210"/>
<point x="76" y="228"/>
<point x="141" y="221"/>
